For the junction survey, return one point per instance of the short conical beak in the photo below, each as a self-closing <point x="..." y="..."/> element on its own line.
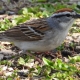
<point x="77" y="16"/>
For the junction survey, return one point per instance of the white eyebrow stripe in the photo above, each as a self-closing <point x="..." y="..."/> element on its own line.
<point x="61" y="13"/>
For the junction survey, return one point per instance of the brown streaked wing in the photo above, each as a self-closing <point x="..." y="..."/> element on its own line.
<point x="29" y="31"/>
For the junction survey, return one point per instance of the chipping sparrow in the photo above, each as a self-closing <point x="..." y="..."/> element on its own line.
<point x="42" y="34"/>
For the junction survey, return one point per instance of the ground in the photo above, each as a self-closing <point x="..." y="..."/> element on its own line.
<point x="60" y="64"/>
<point x="70" y="47"/>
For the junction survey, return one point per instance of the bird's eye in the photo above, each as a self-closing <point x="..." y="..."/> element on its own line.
<point x="68" y="15"/>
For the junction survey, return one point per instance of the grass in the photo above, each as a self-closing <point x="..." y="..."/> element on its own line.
<point x="56" y="69"/>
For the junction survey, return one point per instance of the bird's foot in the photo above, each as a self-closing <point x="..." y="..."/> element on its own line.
<point x="46" y="53"/>
<point x="34" y="56"/>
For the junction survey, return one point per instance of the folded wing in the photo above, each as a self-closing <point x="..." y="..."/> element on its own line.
<point x="29" y="31"/>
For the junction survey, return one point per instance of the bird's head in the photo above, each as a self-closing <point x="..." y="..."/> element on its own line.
<point x="66" y="12"/>
<point x="65" y="17"/>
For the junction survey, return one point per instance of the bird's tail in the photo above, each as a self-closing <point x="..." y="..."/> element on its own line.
<point x="1" y="36"/>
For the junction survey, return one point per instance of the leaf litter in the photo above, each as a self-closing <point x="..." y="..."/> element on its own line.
<point x="10" y="57"/>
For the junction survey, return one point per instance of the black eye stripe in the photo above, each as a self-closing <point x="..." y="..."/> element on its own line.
<point x="68" y="15"/>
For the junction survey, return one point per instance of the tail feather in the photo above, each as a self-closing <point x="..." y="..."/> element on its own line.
<point x="1" y="36"/>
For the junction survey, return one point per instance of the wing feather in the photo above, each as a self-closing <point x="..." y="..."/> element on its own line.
<point x="29" y="31"/>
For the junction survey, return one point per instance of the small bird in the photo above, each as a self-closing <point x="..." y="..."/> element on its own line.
<point x="42" y="34"/>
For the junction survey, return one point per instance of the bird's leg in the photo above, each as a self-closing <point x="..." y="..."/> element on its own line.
<point x="46" y="53"/>
<point x="30" y="54"/>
